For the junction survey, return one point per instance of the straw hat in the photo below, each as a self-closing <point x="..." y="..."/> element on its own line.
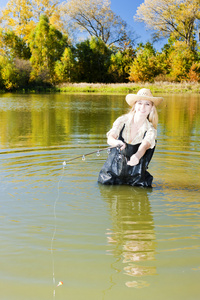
<point x="143" y="94"/>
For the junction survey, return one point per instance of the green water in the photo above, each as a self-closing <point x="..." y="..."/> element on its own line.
<point x="103" y="242"/>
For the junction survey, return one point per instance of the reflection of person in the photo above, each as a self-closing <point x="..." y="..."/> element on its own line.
<point x="132" y="235"/>
<point x="133" y="138"/>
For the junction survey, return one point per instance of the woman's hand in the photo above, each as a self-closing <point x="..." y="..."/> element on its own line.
<point x="134" y="160"/>
<point x="121" y="145"/>
<point x="112" y="141"/>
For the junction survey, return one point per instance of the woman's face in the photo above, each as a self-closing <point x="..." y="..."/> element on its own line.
<point x="143" y="107"/>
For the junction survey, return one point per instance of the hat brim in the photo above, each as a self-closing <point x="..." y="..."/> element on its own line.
<point x="132" y="98"/>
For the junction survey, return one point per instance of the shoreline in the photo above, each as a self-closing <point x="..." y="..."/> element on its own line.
<point x="125" y="88"/>
<point x="115" y="88"/>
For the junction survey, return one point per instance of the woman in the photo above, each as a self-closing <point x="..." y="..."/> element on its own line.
<point x="133" y="138"/>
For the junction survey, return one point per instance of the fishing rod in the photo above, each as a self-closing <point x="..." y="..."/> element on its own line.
<point x="96" y="151"/>
<point x="56" y="200"/>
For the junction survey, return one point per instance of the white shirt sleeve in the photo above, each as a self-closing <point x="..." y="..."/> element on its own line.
<point x="151" y="135"/>
<point x="117" y="126"/>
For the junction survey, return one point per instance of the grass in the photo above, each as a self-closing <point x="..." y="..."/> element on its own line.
<point x="116" y="88"/>
<point x="125" y="88"/>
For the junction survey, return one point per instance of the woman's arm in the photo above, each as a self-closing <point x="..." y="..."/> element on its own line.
<point x="114" y="142"/>
<point x="135" y="158"/>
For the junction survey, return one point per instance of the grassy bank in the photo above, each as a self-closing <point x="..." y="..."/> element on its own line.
<point x="113" y="88"/>
<point x="124" y="88"/>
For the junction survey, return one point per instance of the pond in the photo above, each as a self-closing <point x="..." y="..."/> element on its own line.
<point x="102" y="242"/>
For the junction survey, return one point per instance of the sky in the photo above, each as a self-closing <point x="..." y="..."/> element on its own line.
<point x="126" y="9"/>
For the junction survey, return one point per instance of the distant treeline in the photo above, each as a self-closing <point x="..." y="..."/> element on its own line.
<point x="42" y="55"/>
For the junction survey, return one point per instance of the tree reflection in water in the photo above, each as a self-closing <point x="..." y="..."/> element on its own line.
<point x="132" y="236"/>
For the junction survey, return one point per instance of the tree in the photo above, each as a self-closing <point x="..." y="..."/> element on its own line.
<point x="97" y="19"/>
<point x="18" y="16"/>
<point x="120" y="63"/>
<point x="23" y="15"/>
<point x="171" y="18"/>
<point x="65" y="67"/>
<point x="182" y="60"/>
<point x="23" y="71"/>
<point x="3" y="48"/>
<point x="12" y="45"/>
<point x="47" y="46"/>
<point x="145" y="66"/>
<point x="93" y="60"/>
<point x="8" y="73"/>
<point x="50" y="8"/>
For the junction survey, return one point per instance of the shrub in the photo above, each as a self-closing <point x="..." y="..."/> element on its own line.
<point x="8" y="73"/>
<point x="194" y="73"/>
<point x="23" y="71"/>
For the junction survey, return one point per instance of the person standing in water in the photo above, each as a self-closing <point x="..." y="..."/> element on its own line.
<point x="133" y="137"/>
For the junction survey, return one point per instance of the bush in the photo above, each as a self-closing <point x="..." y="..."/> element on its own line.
<point x="23" y="71"/>
<point x="194" y="73"/>
<point x="8" y="73"/>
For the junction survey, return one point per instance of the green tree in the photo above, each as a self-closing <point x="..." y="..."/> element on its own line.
<point x="14" y="73"/>
<point x="171" y="18"/>
<point x="93" y="60"/>
<point x="8" y="73"/>
<point x="120" y="64"/>
<point x="47" y="46"/>
<point x="65" y="67"/>
<point x="13" y="45"/>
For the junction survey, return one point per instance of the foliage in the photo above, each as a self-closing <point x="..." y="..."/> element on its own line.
<point x="93" y="59"/>
<point x="12" y="45"/>
<point x="65" y="67"/>
<point x="23" y="15"/>
<point x="34" y="52"/>
<point x="18" y="16"/>
<point x="97" y="19"/>
<point x="194" y="73"/>
<point x="144" y="67"/>
<point x="181" y="60"/>
<point x="47" y="46"/>
<point x="14" y="73"/>
<point x="171" y="18"/>
<point x="7" y="73"/>
<point x="120" y="63"/>
<point x="23" y="72"/>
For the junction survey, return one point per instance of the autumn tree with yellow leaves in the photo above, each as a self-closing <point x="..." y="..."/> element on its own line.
<point x="22" y="16"/>
<point x="175" y="19"/>
<point x="18" y="16"/>
<point x="145" y="66"/>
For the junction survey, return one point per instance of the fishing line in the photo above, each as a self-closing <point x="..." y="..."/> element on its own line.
<point x="55" y="203"/>
<point x="54" y="233"/>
